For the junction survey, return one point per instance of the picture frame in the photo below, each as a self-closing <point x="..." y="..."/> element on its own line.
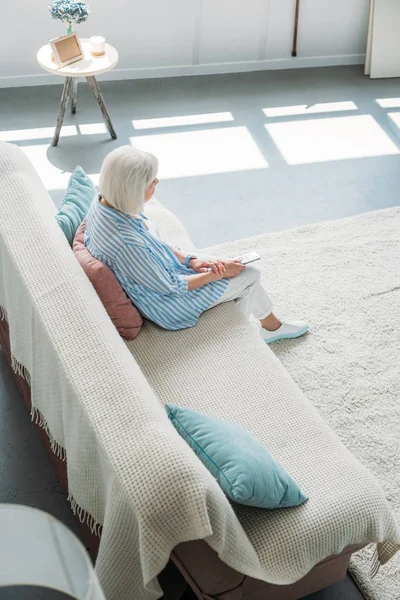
<point x="67" y="49"/>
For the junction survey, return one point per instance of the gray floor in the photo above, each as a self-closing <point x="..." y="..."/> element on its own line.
<point x="227" y="206"/>
<point x="214" y="208"/>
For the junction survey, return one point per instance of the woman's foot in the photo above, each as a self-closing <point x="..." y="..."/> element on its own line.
<point x="285" y="331"/>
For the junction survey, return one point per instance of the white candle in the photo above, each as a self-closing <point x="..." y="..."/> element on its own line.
<point x="97" y="44"/>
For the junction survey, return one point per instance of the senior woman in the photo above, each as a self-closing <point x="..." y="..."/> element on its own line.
<point x="169" y="286"/>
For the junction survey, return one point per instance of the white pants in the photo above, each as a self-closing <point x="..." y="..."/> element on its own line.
<point x="250" y="297"/>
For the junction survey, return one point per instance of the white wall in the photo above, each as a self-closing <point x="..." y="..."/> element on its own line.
<point x="178" y="37"/>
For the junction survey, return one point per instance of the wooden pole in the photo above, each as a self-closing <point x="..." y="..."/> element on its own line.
<point x="296" y="27"/>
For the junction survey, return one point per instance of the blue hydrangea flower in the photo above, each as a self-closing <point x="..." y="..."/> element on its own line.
<point x="69" y="11"/>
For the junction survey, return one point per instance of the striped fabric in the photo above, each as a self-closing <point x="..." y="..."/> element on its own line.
<point x="147" y="268"/>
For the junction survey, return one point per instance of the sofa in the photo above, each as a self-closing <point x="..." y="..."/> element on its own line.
<point x="155" y="519"/>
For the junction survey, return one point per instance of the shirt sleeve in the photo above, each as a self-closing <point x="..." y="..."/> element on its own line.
<point x="144" y="268"/>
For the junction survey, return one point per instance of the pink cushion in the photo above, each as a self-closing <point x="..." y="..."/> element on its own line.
<point x="119" y="307"/>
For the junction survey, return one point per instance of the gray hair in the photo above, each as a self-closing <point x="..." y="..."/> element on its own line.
<point x="125" y="174"/>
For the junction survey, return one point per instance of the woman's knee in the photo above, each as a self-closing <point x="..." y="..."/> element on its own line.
<point x="248" y="280"/>
<point x="253" y="274"/>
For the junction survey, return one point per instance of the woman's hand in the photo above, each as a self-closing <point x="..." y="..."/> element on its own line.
<point x="203" y="266"/>
<point x="233" y="268"/>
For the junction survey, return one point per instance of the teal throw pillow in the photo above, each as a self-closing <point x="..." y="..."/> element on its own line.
<point x="75" y="204"/>
<point x="244" y="469"/>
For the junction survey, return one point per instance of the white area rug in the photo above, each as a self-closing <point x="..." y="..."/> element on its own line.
<point x="344" y="278"/>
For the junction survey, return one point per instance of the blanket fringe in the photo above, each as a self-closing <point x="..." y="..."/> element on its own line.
<point x="383" y="552"/>
<point x="3" y="313"/>
<point x="20" y="370"/>
<point x="16" y="366"/>
<point x="376" y="563"/>
<point x="39" y="420"/>
<point x="59" y="451"/>
<point x="85" y="517"/>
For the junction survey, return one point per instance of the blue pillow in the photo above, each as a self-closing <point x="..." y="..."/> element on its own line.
<point x="244" y="469"/>
<point x="75" y="204"/>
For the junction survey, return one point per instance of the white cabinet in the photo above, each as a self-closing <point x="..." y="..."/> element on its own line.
<point x="383" y="53"/>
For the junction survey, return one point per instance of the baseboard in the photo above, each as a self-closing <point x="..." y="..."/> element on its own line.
<point x="206" y="69"/>
<point x="277" y="64"/>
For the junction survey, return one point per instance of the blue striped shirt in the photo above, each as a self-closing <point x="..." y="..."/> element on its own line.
<point x="147" y="268"/>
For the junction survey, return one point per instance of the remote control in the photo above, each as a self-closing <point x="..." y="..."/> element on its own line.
<point x="245" y="259"/>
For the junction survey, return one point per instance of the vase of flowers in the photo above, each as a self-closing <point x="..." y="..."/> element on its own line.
<point x="69" y="11"/>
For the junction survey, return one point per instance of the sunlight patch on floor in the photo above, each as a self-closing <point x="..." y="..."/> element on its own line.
<point x="38" y="133"/>
<point x="46" y="133"/>
<point x="309" y="109"/>
<point x="395" y="116"/>
<point x="335" y="138"/>
<point x="52" y="177"/>
<point x="389" y="102"/>
<point x="92" y="128"/>
<point x="183" y="120"/>
<point x="192" y="153"/>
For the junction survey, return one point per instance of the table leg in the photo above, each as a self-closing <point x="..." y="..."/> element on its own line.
<point x="61" y="112"/>
<point x="74" y="94"/>
<point x="99" y="99"/>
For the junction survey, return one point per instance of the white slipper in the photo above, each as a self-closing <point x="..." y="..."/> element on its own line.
<point x="285" y="331"/>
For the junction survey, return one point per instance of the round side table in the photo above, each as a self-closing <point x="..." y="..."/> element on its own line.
<point x="88" y="67"/>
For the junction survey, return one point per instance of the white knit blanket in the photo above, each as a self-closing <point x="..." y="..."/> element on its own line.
<point x="128" y="470"/>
